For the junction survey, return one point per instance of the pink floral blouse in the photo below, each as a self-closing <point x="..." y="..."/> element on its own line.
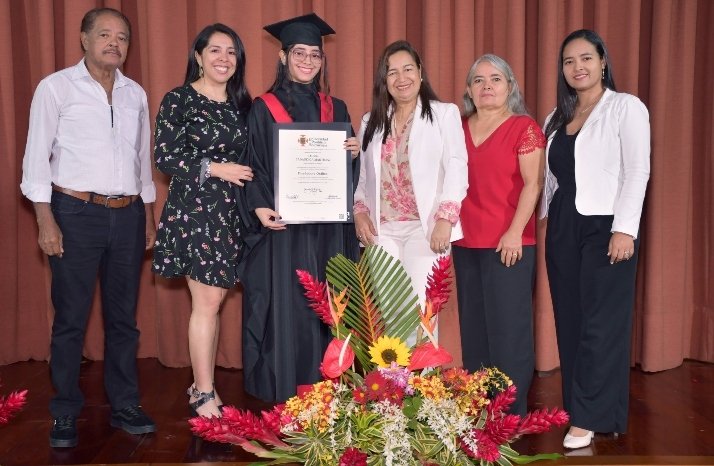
<point x="397" y="200"/>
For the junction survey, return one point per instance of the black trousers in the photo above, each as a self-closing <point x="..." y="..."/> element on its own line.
<point x="496" y="315"/>
<point x="593" y="302"/>
<point x="110" y="243"/>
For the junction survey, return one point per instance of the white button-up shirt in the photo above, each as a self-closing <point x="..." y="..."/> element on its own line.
<point x="77" y="140"/>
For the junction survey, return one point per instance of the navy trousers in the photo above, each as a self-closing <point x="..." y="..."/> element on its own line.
<point x="496" y="315"/>
<point x="592" y="301"/>
<point x="109" y="243"/>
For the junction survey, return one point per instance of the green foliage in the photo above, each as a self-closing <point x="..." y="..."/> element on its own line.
<point x="381" y="299"/>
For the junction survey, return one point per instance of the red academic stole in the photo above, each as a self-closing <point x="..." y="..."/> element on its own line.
<point x="282" y="116"/>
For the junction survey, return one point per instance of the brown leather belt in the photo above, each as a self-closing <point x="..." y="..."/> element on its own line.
<point x="112" y="202"/>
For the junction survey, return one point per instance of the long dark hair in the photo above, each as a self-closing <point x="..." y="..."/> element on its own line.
<point x="282" y="76"/>
<point x="237" y="91"/>
<point x="379" y="118"/>
<point x="567" y="96"/>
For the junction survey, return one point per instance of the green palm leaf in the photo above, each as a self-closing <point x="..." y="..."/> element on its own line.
<point x="381" y="299"/>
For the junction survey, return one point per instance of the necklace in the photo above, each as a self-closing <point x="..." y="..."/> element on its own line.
<point x="591" y="105"/>
<point x="398" y="128"/>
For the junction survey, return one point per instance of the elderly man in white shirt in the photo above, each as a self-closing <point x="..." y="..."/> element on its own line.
<point x="87" y="170"/>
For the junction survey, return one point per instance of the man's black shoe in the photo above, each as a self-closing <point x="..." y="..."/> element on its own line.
<point x="64" y="432"/>
<point x="133" y="420"/>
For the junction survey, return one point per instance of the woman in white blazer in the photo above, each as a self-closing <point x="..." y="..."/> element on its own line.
<point x="597" y="168"/>
<point x="413" y="172"/>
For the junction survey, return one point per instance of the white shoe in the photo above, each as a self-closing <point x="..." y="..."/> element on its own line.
<point x="571" y="441"/>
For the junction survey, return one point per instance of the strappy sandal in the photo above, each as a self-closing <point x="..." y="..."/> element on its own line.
<point x="219" y="406"/>
<point x="201" y="398"/>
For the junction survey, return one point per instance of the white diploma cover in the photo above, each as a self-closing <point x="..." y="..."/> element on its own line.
<point x="313" y="173"/>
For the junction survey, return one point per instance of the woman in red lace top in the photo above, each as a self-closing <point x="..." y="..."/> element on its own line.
<point x="495" y="261"/>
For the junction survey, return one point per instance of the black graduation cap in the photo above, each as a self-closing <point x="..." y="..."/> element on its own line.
<point x="306" y="29"/>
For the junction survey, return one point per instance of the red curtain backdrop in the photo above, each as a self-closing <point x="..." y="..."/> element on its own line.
<point x="661" y="51"/>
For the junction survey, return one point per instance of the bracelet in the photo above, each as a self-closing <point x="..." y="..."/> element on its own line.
<point x="208" y="170"/>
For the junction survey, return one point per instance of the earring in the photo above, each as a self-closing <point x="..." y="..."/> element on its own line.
<point x="603" y="73"/>
<point x="200" y="71"/>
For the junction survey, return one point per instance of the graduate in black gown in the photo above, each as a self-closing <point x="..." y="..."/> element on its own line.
<point x="283" y="339"/>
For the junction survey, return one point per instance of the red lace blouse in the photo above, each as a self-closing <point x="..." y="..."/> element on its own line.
<point x="495" y="182"/>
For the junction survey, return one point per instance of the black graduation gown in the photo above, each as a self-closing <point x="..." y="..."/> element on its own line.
<point x="283" y="339"/>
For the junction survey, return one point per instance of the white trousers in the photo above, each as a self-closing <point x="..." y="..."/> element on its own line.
<point x="406" y="241"/>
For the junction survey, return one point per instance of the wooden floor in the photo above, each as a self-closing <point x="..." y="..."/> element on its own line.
<point x="671" y="420"/>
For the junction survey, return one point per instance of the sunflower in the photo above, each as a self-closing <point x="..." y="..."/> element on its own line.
<point x="387" y="350"/>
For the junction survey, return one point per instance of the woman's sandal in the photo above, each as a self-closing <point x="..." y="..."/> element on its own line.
<point x="201" y="399"/>
<point x="219" y="406"/>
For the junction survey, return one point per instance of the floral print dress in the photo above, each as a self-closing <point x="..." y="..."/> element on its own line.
<point x="199" y="233"/>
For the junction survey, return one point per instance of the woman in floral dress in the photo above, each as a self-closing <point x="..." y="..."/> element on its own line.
<point x="201" y="134"/>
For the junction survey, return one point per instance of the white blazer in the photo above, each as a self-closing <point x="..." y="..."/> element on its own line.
<point x="612" y="162"/>
<point x="437" y="162"/>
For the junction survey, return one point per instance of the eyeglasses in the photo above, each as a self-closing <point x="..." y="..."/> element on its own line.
<point x="301" y="54"/>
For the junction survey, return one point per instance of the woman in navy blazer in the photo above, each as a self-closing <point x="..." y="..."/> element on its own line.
<point x="597" y="168"/>
<point x="413" y="173"/>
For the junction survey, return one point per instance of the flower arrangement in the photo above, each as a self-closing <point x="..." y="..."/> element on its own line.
<point x="10" y="405"/>
<point x="383" y="402"/>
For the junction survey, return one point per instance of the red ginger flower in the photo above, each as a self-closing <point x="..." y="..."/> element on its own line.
<point x="274" y="418"/>
<point x="438" y="283"/>
<point x="235" y="426"/>
<point x="542" y="420"/>
<point x="10" y="405"/>
<point x="317" y="295"/>
<point x="504" y="429"/>
<point x="353" y="457"/>
<point x="502" y="401"/>
<point x="486" y="449"/>
<point x="214" y="430"/>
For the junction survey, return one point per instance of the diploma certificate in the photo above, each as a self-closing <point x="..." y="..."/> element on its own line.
<point x="313" y="173"/>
